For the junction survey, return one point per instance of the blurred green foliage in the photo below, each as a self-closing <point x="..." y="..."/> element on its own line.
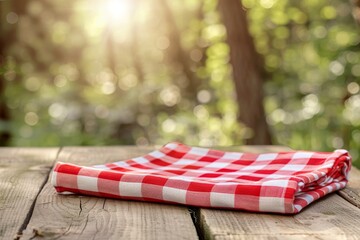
<point x="311" y="50"/>
<point x="77" y="74"/>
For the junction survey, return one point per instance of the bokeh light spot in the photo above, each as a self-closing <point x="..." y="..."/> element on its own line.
<point x="170" y="96"/>
<point x="267" y="3"/>
<point x="196" y="55"/>
<point x="319" y="32"/>
<point x="342" y="38"/>
<point x="168" y="125"/>
<point x="12" y="18"/>
<point x="32" y="84"/>
<point x="60" y="80"/>
<point x="128" y="81"/>
<point x="336" y="68"/>
<point x="328" y="12"/>
<point x="355" y="70"/>
<point x="204" y="96"/>
<point x="353" y="88"/>
<point x="201" y="112"/>
<point x="108" y="88"/>
<point x="57" y="110"/>
<point x="31" y="118"/>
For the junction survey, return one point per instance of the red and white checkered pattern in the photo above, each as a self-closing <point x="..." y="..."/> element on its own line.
<point x="282" y="182"/>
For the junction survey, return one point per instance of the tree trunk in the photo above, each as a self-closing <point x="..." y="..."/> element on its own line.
<point x="4" y="115"/>
<point x="356" y="10"/>
<point x="6" y="36"/>
<point x="247" y="71"/>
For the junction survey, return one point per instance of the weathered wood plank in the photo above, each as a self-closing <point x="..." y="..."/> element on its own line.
<point x="23" y="171"/>
<point x="82" y="217"/>
<point x="352" y="192"/>
<point x="329" y="218"/>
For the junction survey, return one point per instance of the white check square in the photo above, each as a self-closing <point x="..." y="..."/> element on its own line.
<point x="100" y="167"/>
<point x="184" y="162"/>
<point x="157" y="154"/>
<point x="222" y="199"/>
<point x="54" y="178"/>
<point x="182" y="178"/>
<point x="140" y="160"/>
<point x="87" y="183"/>
<point x="275" y="176"/>
<point x="172" y="145"/>
<point x="276" y="183"/>
<point x="217" y="165"/>
<point x="293" y="167"/>
<point x="305" y="155"/>
<point x="272" y="204"/>
<point x="121" y="164"/>
<point x="232" y="155"/>
<point x="130" y="189"/>
<point x="198" y="151"/>
<point x="174" y="195"/>
<point x="267" y="157"/>
<point x="253" y="167"/>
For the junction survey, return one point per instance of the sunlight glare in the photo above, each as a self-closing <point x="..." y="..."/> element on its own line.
<point x="117" y="11"/>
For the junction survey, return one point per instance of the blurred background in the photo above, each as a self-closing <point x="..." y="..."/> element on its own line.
<point x="203" y="72"/>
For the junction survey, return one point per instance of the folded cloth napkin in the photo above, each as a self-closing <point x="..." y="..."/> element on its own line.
<point x="283" y="182"/>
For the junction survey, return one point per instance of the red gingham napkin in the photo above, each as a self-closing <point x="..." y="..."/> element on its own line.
<point x="282" y="182"/>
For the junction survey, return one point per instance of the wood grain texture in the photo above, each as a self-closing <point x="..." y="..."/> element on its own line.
<point x="329" y="218"/>
<point x="82" y="217"/>
<point x="23" y="171"/>
<point x="352" y="192"/>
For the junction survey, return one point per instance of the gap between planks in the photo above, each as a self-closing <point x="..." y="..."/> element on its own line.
<point x="31" y="210"/>
<point x="22" y="173"/>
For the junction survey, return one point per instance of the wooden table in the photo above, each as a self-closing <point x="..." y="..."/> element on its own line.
<point x="31" y="209"/>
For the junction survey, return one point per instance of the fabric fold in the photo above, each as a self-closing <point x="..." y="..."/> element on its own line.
<point x="283" y="182"/>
